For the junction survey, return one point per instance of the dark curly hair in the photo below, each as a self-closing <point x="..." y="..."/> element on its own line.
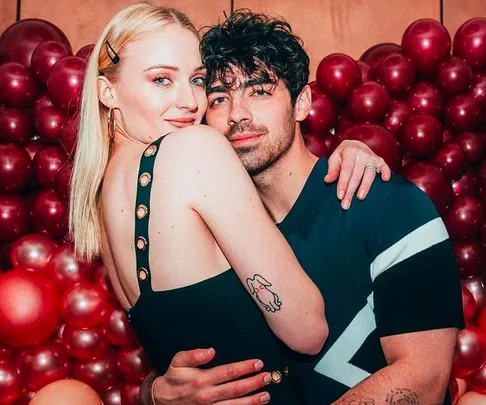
<point x="262" y="47"/>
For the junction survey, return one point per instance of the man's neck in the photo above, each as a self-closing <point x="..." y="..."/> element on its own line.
<point x="280" y="185"/>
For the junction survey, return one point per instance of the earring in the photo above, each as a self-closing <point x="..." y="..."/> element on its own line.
<point x="111" y="124"/>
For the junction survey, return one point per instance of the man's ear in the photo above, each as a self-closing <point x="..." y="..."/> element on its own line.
<point x="303" y="103"/>
<point x="106" y="92"/>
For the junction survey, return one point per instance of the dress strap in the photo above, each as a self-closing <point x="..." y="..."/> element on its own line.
<point x="142" y="215"/>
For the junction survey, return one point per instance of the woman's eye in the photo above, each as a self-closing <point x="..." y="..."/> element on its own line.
<point x="199" y="81"/>
<point x="161" y="81"/>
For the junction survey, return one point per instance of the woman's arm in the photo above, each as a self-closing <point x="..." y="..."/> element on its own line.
<point x="222" y="193"/>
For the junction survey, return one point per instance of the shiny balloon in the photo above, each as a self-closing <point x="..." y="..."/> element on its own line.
<point x="102" y="280"/>
<point x="33" y="251"/>
<point x="63" y="180"/>
<point x="372" y="56"/>
<point x="66" y="269"/>
<point x="462" y="113"/>
<point x="464" y="217"/>
<point x="17" y="85"/>
<point x="133" y="364"/>
<point x="7" y="352"/>
<point x="69" y="136"/>
<point x="112" y="396"/>
<point x="396" y="73"/>
<point x="85" y="52"/>
<point x="100" y="373"/>
<point x="14" y="216"/>
<point x="470" y="353"/>
<point x="317" y="145"/>
<point x="432" y="181"/>
<point x="117" y="329"/>
<point x="11" y="384"/>
<point x="15" y="126"/>
<point x="42" y="101"/>
<point x="366" y="72"/>
<point x="46" y="165"/>
<point x="472" y="146"/>
<point x="66" y="392"/>
<point x="454" y="76"/>
<point x="478" y="87"/>
<point x="421" y="136"/>
<point x="49" y="122"/>
<point x="45" y="56"/>
<point x="368" y="103"/>
<point x="424" y="98"/>
<point x="398" y="113"/>
<point x="466" y="185"/>
<point x="450" y="158"/>
<point x="322" y="115"/>
<point x="129" y="394"/>
<point x="470" y="308"/>
<point x="84" y="344"/>
<point x="29" y="308"/>
<point x="65" y="83"/>
<point x="49" y="213"/>
<point x="476" y="288"/>
<point x="43" y="364"/>
<point x="470" y="257"/>
<point x="470" y="43"/>
<point x="343" y="124"/>
<point x="337" y="76"/>
<point x="427" y="43"/>
<point x="15" y="168"/>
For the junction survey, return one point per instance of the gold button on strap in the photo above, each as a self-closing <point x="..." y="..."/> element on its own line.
<point x="141" y="243"/>
<point x="142" y="211"/>
<point x="145" y="179"/>
<point x="276" y="377"/>
<point x="142" y="273"/>
<point x="150" y="151"/>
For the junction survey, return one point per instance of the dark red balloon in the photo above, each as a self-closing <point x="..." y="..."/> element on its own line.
<point x="476" y="288"/>
<point x="421" y="136"/>
<point x="102" y="280"/>
<point x="11" y="384"/>
<point x="427" y="43"/>
<point x="463" y="113"/>
<point x="63" y="180"/>
<point x="66" y="269"/>
<point x="466" y="185"/>
<point x="317" y="145"/>
<point x="85" y="52"/>
<point x="49" y="122"/>
<point x="380" y="141"/>
<point x="19" y="40"/>
<point x="46" y="165"/>
<point x="478" y="87"/>
<point x="482" y="320"/>
<point x="7" y="352"/>
<point x="464" y="217"/>
<point x="42" y="101"/>
<point x="25" y="398"/>
<point x="15" y="126"/>
<point x="447" y="135"/>
<point x="69" y="136"/>
<point x="368" y="103"/>
<point x="396" y="73"/>
<point x="34" y="146"/>
<point x="470" y="43"/>
<point x="29" y="308"/>
<point x="100" y="373"/>
<point x="45" y="56"/>
<point x="322" y="115"/>
<point x="424" y="98"/>
<point x="432" y="181"/>
<point x="117" y="329"/>
<point x="17" y="85"/>
<point x="366" y="73"/>
<point x="43" y="364"/>
<point x="398" y="113"/>
<point x="5" y="249"/>
<point x="15" y="168"/>
<point x="337" y="75"/>
<point x="82" y="305"/>
<point x="14" y="216"/>
<point x="112" y="396"/>
<point x="65" y="83"/>
<point x="84" y="344"/>
<point x="133" y="364"/>
<point x="343" y="124"/>
<point x="33" y="251"/>
<point x="49" y="213"/>
<point x="469" y="306"/>
<point x="372" y="56"/>
<point x="472" y="146"/>
<point x="450" y="158"/>
<point x="476" y="381"/>
<point x="454" y="76"/>
<point x="129" y="394"/>
<point x="470" y="256"/>
<point x="470" y="353"/>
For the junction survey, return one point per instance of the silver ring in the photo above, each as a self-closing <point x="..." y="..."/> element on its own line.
<point x="373" y="167"/>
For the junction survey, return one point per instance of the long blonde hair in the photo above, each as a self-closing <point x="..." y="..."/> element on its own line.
<point x="93" y="145"/>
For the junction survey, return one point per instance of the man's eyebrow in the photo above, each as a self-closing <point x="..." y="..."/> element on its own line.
<point x="216" y="89"/>
<point x="258" y="81"/>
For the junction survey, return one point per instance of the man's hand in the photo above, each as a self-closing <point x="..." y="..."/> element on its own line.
<point x="185" y="384"/>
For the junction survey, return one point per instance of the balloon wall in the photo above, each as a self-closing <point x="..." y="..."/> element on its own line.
<point x="421" y="105"/>
<point x="63" y="334"/>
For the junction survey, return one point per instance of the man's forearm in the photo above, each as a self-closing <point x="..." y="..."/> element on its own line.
<point x="145" y="392"/>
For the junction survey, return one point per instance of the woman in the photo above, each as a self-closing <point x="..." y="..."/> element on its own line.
<point x="140" y="142"/>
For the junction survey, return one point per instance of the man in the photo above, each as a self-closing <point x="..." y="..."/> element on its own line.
<point x="386" y="268"/>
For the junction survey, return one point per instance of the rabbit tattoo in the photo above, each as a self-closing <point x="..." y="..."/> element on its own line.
<point x="258" y="287"/>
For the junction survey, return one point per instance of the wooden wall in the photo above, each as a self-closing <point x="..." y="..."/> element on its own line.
<point x="326" y="26"/>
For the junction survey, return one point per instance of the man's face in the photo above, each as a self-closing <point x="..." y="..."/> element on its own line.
<point x="256" y="116"/>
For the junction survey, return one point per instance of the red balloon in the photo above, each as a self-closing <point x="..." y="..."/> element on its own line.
<point x="368" y="103"/>
<point x="337" y="75"/>
<point x="63" y="180"/>
<point x="46" y="165"/>
<point x="42" y="101"/>
<point x="15" y="126"/>
<point x="10" y="382"/>
<point x="469" y="306"/>
<point x="49" y="213"/>
<point x="133" y="364"/>
<point x="5" y="249"/>
<point x="14" y="217"/>
<point x="69" y="136"/>
<point x="478" y="87"/>
<point x="85" y="52"/>
<point x="29" y="308"/>
<point x="65" y="83"/>
<point x="481" y="170"/>
<point x="66" y="269"/>
<point x="463" y="113"/>
<point x="34" y="146"/>
<point x="100" y="373"/>
<point x="470" y="352"/>
<point x="372" y="56"/>
<point x="343" y="124"/>
<point x="112" y="396"/>
<point x="82" y="305"/>
<point x="380" y="141"/>
<point x="15" y="168"/>
<point x="32" y="251"/>
<point x="470" y="256"/>
<point x="424" y="98"/>
<point x="398" y="113"/>
<point x="45" y="56"/>
<point x="84" y="344"/>
<point x="477" y="380"/>
<point x="7" y="352"/>
<point x="476" y="288"/>
<point x="43" y="364"/>
<point x="432" y="181"/>
<point x="470" y="43"/>
<point x="102" y="280"/>
<point x="451" y="160"/>
<point x="471" y="144"/>
<point x="366" y="73"/>
<point x="117" y="329"/>
<point x="447" y="135"/>
<point x="17" y="85"/>
<point x="25" y="398"/>
<point x="421" y="136"/>
<point x="322" y="115"/>
<point x="129" y="394"/>
<point x="49" y="122"/>
<point x="466" y="185"/>
<point x="396" y="73"/>
<point x="317" y="145"/>
<point x="464" y="217"/>
<point x="454" y="76"/>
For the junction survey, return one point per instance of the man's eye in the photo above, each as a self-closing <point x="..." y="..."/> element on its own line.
<point x="218" y="100"/>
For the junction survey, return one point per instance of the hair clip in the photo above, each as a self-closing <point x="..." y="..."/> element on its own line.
<point x="115" y="58"/>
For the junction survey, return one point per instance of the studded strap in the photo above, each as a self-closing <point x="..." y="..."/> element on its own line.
<point x="142" y="215"/>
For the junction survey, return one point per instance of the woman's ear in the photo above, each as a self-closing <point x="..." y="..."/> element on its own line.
<point x="106" y="92"/>
<point x="303" y="103"/>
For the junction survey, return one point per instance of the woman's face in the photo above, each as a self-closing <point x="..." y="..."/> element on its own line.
<point x="161" y="85"/>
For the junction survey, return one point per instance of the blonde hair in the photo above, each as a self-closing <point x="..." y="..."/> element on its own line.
<point x="93" y="145"/>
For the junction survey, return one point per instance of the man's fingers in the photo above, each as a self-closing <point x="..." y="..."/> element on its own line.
<point x="229" y="372"/>
<point x="255" y="399"/>
<point x="192" y="358"/>
<point x="239" y="388"/>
